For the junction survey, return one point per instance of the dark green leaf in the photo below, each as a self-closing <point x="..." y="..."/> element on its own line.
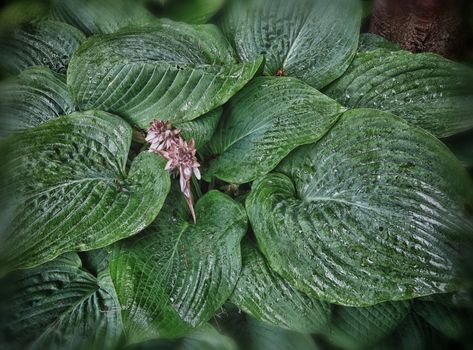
<point x="74" y="190"/>
<point x="202" y="128"/>
<point x="32" y="98"/>
<point x="268" y="119"/>
<point x="313" y="40"/>
<point x="266" y="296"/>
<point x="166" y="70"/>
<point x="176" y="274"/>
<point x="61" y="305"/>
<point x="425" y="89"/>
<point x="47" y="43"/>
<point x="374" y="211"/>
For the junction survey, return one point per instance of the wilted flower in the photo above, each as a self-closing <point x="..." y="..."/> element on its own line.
<point x="180" y="154"/>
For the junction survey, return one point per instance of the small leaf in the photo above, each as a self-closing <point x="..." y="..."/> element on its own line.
<point x="266" y="296"/>
<point x="268" y="119"/>
<point x="176" y="274"/>
<point x="32" y="98"/>
<point x="73" y="191"/>
<point x="192" y="11"/>
<point x="61" y="305"/>
<point x="100" y="16"/>
<point x="166" y="70"/>
<point x="313" y="40"/>
<point x="376" y="210"/>
<point x="43" y="43"/>
<point x="425" y="89"/>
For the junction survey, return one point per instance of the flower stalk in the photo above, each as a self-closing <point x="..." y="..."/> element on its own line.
<point x="168" y="142"/>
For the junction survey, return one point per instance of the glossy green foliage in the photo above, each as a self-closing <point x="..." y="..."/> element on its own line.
<point x="73" y="190"/>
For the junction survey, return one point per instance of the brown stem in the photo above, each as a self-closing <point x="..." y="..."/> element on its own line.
<point x="421" y="25"/>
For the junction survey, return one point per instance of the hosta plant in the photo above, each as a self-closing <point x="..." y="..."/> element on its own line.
<point x="230" y="175"/>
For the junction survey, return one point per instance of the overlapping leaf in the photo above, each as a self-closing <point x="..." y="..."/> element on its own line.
<point x="425" y="89"/>
<point x="32" y="98"/>
<point x="72" y="189"/>
<point x="166" y="70"/>
<point x="61" y="305"/>
<point x="100" y="16"/>
<point x="47" y="43"/>
<point x="266" y="296"/>
<point x="175" y="275"/>
<point x="202" y="128"/>
<point x="268" y="119"/>
<point x="374" y="211"/>
<point x="192" y="11"/>
<point x="313" y="40"/>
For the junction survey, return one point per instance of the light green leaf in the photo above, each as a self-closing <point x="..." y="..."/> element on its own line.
<point x="268" y="119"/>
<point x="313" y="40"/>
<point x="192" y="11"/>
<point x="100" y="16"/>
<point x="362" y="327"/>
<point x="61" y="305"/>
<point x="374" y="211"/>
<point x="166" y="70"/>
<point x="176" y="274"/>
<point x="266" y="296"/>
<point x="47" y="43"/>
<point x="425" y="89"/>
<point x="202" y="128"/>
<point x="74" y="189"/>
<point x="32" y="98"/>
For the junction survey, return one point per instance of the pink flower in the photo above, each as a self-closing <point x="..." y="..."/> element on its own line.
<point x="168" y="142"/>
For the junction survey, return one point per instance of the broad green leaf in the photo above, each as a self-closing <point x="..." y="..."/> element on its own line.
<point x="74" y="189"/>
<point x="252" y="334"/>
<point x="100" y="16"/>
<point x="43" y="43"/>
<point x="166" y="70"/>
<point x="375" y="211"/>
<point x="202" y="128"/>
<point x="313" y="40"/>
<point x="268" y="119"/>
<point x="204" y="338"/>
<point x="61" y="305"/>
<point x="32" y="98"/>
<point x="176" y="274"/>
<point x="425" y="89"/>
<point x="362" y="327"/>
<point x="192" y="11"/>
<point x="266" y="296"/>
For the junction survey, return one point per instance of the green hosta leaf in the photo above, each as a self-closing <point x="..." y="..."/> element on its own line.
<point x="47" y="43"/>
<point x="100" y="16"/>
<point x="264" y="122"/>
<point x="176" y="274"/>
<point x="266" y="296"/>
<point x="204" y="338"/>
<point x="201" y="129"/>
<point x="61" y="305"/>
<point x="32" y="98"/>
<point x="193" y="11"/>
<point x="74" y="190"/>
<point x="362" y="327"/>
<point x="374" y="211"/>
<point x="425" y="89"/>
<point x="167" y="70"/>
<point x="313" y="40"/>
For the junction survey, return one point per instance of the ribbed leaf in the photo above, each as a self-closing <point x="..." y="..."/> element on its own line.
<point x="166" y="70"/>
<point x="176" y="274"/>
<point x="313" y="40"/>
<point x="374" y="211"/>
<point x="268" y="119"/>
<point x="202" y="128"/>
<point x="32" y="98"/>
<point x="425" y="89"/>
<point x="100" y="16"/>
<point x="47" y="43"/>
<point x="362" y="327"/>
<point x="266" y="296"/>
<point x="61" y="305"/>
<point x="73" y="188"/>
